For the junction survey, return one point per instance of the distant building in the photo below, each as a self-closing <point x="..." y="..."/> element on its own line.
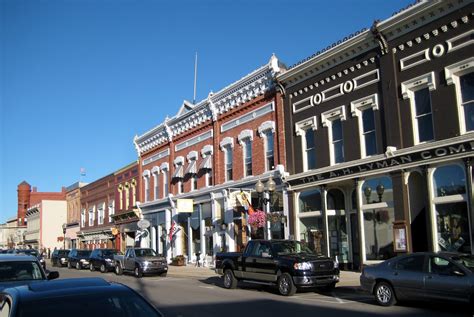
<point x="73" y="199"/>
<point x="11" y="235"/>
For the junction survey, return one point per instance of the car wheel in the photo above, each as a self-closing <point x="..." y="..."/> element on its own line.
<point x="138" y="272"/>
<point x="78" y="266"/>
<point x="230" y="281"/>
<point x="163" y="274"/>
<point x="69" y="266"/>
<point x="286" y="287"/>
<point x="102" y="268"/>
<point x="118" y="269"/>
<point x="91" y="267"/>
<point x="384" y="294"/>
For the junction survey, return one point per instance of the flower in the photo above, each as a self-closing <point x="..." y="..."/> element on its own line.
<point x="257" y="219"/>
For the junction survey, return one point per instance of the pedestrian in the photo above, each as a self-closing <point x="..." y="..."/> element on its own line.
<point x="198" y="259"/>
<point x="49" y="253"/>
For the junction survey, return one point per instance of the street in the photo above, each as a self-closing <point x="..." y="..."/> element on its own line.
<point x="177" y="295"/>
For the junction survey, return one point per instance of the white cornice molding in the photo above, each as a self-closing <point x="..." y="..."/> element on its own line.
<point x="226" y="142"/>
<point x="244" y="134"/>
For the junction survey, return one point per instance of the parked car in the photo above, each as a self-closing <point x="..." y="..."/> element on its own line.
<point x="75" y="298"/>
<point x="421" y="276"/>
<point x="286" y="263"/>
<point x="78" y="259"/>
<point x="59" y="257"/>
<point x="33" y="252"/>
<point x="103" y="259"/>
<point x="141" y="261"/>
<point x="20" y="269"/>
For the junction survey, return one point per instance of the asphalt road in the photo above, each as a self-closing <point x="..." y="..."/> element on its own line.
<point x="183" y="297"/>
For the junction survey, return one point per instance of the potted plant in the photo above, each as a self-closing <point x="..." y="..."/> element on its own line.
<point x="178" y="260"/>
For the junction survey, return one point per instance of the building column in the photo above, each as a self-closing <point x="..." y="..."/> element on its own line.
<point x="168" y="250"/>
<point x="159" y="232"/>
<point x="215" y="225"/>
<point x="286" y="213"/>
<point x="268" y="233"/>
<point x="294" y="219"/>
<point x="401" y="202"/>
<point x="470" y="201"/>
<point x="190" y="242"/>
<point x="325" y="218"/>
<point x="432" y="225"/>
<point x="202" y="233"/>
<point x="360" y="218"/>
<point x="229" y="220"/>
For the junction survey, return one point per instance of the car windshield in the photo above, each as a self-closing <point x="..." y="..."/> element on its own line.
<point x="124" y="303"/>
<point x="465" y="260"/>
<point x="83" y="253"/>
<point x="111" y="252"/>
<point x="63" y="252"/>
<point x="290" y="247"/>
<point x="20" y="271"/>
<point x="145" y="252"/>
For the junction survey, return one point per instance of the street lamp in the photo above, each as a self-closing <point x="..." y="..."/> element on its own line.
<point x="64" y="236"/>
<point x="260" y="189"/>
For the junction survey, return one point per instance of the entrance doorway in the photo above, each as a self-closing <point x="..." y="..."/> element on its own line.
<point x="419" y="219"/>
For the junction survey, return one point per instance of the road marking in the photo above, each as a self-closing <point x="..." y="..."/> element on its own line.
<point x="210" y="287"/>
<point x="337" y="298"/>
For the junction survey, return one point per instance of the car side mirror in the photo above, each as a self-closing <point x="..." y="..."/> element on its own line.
<point x="457" y="273"/>
<point x="52" y="275"/>
<point x="266" y="255"/>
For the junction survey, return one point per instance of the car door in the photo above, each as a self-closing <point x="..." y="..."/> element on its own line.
<point x="130" y="260"/>
<point x="266" y="265"/>
<point x="407" y="276"/>
<point x="250" y="260"/>
<point x="445" y="280"/>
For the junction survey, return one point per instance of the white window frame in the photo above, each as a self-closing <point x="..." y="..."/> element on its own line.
<point x="133" y="185"/>
<point x="452" y="74"/>
<point x="243" y="137"/>
<point x="408" y="92"/>
<point x="101" y="214"/>
<point x="165" y="171"/>
<point x="207" y="150"/>
<point x="227" y="144"/>
<point x="111" y="208"/>
<point x="156" y="178"/>
<point x="327" y="119"/>
<point x="83" y="218"/>
<point x="127" y="194"/>
<point x="357" y="107"/>
<point x="266" y="128"/>
<point x="300" y="129"/>
<point x="146" y="185"/>
<point x="91" y="216"/>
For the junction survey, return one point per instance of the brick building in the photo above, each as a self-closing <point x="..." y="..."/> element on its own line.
<point x="379" y="137"/>
<point x="97" y="208"/>
<point x="127" y="191"/>
<point x="73" y="199"/>
<point x="208" y="153"/>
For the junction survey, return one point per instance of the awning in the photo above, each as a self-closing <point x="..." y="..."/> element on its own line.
<point x="191" y="169"/>
<point x="178" y="173"/>
<point x="206" y="163"/>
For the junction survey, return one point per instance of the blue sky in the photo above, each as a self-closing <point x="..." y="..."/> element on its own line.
<point x="79" y="78"/>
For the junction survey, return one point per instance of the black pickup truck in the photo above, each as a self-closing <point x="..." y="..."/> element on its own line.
<point x="285" y="263"/>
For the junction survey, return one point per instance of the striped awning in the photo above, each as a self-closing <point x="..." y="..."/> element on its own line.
<point x="178" y="173"/>
<point x="191" y="169"/>
<point x="206" y="163"/>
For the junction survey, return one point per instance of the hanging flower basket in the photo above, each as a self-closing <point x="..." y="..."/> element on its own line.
<point x="257" y="219"/>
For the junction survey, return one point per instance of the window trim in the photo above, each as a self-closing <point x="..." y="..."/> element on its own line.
<point x="452" y="74"/>
<point x="267" y="127"/>
<point x="357" y="107"/>
<point x="226" y="144"/>
<point x="409" y="88"/>
<point x="327" y="118"/>
<point x="244" y="137"/>
<point x="300" y="130"/>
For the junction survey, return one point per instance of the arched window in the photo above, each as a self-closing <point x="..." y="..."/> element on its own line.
<point x="335" y="199"/>
<point x="449" y="180"/>
<point x="310" y="200"/>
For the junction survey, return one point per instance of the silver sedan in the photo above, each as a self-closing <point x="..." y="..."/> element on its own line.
<point x="439" y="276"/>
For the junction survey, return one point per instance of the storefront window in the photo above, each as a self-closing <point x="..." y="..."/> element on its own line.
<point x="312" y="232"/>
<point x="338" y="239"/>
<point x="379" y="216"/>
<point x="310" y="201"/>
<point x="453" y="227"/>
<point x="449" y="180"/>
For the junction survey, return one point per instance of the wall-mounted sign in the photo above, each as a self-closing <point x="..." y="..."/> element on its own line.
<point x="400" y="236"/>
<point x="184" y="205"/>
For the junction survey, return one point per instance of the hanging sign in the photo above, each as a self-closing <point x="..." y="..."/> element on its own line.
<point x="185" y="205"/>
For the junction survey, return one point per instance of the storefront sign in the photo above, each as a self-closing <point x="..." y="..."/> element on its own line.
<point x="400" y="160"/>
<point x="239" y="199"/>
<point x="185" y="205"/>
<point x="400" y="236"/>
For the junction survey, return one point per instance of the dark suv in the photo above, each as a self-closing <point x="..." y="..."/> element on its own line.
<point x="103" y="259"/>
<point x="59" y="257"/>
<point x="79" y="259"/>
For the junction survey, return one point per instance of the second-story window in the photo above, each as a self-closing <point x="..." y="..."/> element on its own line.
<point x="191" y="169"/>
<point x="332" y="119"/>
<point x="100" y="214"/>
<point x="206" y="164"/>
<point x="91" y="217"/>
<point x="247" y="144"/>
<point x="127" y="194"/>
<point x="228" y="163"/>
<point x="165" y="183"/>
<point x="269" y="151"/>
<point x="368" y="132"/>
<point x="179" y="174"/>
<point x="194" y="182"/>
<point x="146" y="185"/>
<point x="83" y="218"/>
<point x="111" y="210"/>
<point x="310" y="149"/>
<point x="156" y="182"/>
<point x="423" y="115"/>
<point x="305" y="129"/>
<point x="467" y="100"/>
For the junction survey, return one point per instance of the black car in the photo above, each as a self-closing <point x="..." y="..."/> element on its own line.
<point x="78" y="259"/>
<point x="59" y="257"/>
<point x="33" y="252"/>
<point x="75" y="298"/>
<point x="20" y="269"/>
<point x="103" y="259"/>
<point x="442" y="276"/>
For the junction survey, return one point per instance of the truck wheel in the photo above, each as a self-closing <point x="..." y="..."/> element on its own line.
<point x="138" y="272"/>
<point x="102" y="268"/>
<point x="286" y="287"/>
<point x="78" y="266"/>
<point x="118" y="269"/>
<point x="230" y="281"/>
<point x="91" y="267"/>
<point x="384" y="294"/>
<point x="69" y="266"/>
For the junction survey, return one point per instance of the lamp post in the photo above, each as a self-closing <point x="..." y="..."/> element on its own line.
<point x="270" y="188"/>
<point x="164" y="234"/>
<point x="64" y="236"/>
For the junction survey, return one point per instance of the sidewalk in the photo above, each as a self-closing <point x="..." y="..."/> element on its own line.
<point x="349" y="280"/>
